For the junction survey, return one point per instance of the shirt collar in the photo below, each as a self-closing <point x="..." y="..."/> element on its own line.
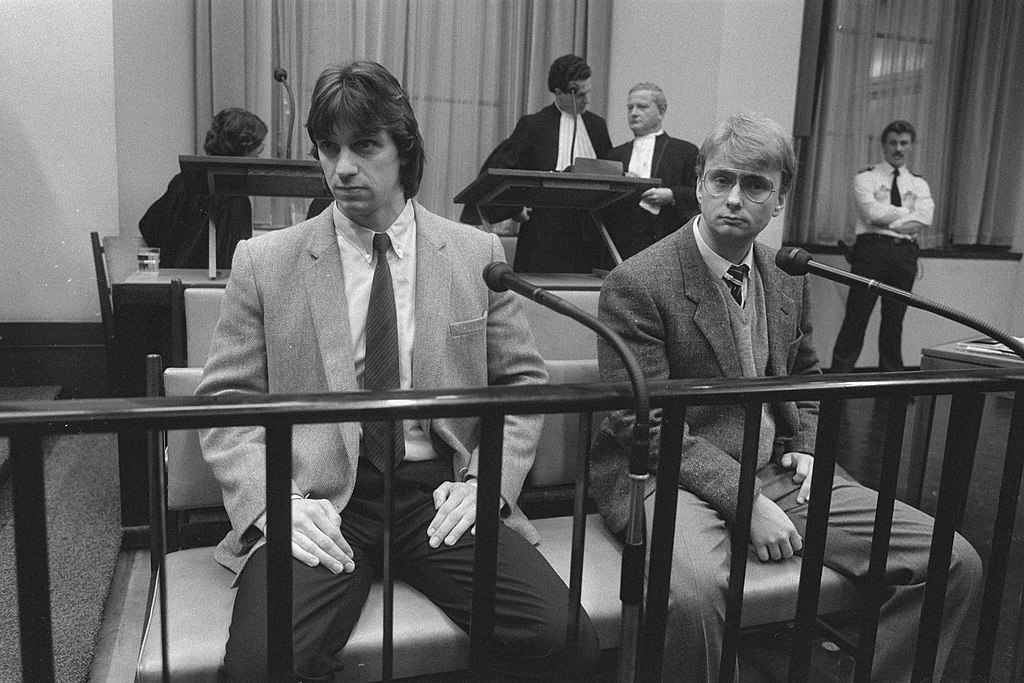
<point x="717" y="264"/>
<point x="402" y="232"/>
<point x="649" y="136"/>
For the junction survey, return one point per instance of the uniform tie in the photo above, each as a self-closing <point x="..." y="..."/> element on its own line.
<point x="380" y="371"/>
<point x="734" y="278"/>
<point x="894" y="192"/>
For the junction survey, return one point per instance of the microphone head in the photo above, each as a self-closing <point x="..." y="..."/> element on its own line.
<point x="494" y="273"/>
<point x="793" y="260"/>
<point x="573" y="88"/>
<point x="280" y="75"/>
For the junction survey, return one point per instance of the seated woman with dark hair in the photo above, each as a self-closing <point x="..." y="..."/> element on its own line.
<point x="178" y="223"/>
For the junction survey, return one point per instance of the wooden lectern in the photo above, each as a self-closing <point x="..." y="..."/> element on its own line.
<point x="551" y="189"/>
<point x="252" y="177"/>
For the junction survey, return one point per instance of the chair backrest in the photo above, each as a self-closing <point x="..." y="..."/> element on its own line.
<point x="559" y="337"/>
<point x="202" y="311"/>
<point x="103" y="287"/>
<point x="190" y="484"/>
<point x="560" y="439"/>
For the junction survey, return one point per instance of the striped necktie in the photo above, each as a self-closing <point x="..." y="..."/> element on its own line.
<point x="734" y="278"/>
<point x="380" y="371"/>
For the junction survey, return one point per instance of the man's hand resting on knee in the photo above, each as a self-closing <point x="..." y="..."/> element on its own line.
<point x="316" y="536"/>
<point x="771" y="532"/>
<point x="455" y="503"/>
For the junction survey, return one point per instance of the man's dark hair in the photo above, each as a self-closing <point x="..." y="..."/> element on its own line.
<point x="899" y="127"/>
<point x="565" y="70"/>
<point x="365" y="98"/>
<point x="234" y="133"/>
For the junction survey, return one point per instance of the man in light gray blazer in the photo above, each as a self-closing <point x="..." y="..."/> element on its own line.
<point x="299" y="315"/>
<point x="707" y="302"/>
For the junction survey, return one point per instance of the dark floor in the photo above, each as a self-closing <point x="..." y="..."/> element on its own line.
<point x="764" y="656"/>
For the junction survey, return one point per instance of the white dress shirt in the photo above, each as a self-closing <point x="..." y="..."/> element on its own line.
<point x="357" y="266"/>
<point x="584" y="147"/>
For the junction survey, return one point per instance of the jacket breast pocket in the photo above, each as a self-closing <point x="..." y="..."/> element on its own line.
<point x="464" y="327"/>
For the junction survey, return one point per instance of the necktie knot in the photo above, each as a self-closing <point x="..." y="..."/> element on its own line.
<point x="734" y="277"/>
<point x="739" y="273"/>
<point x="381" y="243"/>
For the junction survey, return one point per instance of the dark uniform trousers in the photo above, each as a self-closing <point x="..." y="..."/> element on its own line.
<point x="889" y="260"/>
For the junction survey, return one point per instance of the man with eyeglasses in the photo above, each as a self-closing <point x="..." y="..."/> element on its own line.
<point x="706" y="302"/>
<point x="893" y="206"/>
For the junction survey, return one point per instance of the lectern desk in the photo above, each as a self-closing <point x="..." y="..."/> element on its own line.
<point x="555" y="190"/>
<point x="968" y="354"/>
<point x="251" y="177"/>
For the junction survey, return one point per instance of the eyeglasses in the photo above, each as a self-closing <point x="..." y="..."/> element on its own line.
<point x="754" y="187"/>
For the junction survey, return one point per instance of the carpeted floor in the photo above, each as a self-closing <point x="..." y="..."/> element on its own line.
<point x="84" y="537"/>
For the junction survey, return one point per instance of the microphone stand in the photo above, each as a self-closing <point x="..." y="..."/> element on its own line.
<point x="281" y="76"/>
<point x="796" y="261"/>
<point x="573" y="89"/>
<point x="499" y="278"/>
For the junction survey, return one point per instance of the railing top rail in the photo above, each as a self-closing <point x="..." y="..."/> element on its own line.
<point x="116" y="414"/>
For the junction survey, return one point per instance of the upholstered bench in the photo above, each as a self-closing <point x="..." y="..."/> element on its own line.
<point x="199" y="595"/>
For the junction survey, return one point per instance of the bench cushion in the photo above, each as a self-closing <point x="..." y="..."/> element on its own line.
<point x="200" y="597"/>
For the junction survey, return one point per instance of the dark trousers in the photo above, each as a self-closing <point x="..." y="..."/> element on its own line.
<point x="531" y="609"/>
<point x="890" y="261"/>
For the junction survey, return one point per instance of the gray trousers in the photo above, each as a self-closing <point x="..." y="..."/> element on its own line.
<point x="700" y="576"/>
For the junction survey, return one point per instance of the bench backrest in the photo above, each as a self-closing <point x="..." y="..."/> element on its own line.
<point x="190" y="484"/>
<point x="202" y="311"/>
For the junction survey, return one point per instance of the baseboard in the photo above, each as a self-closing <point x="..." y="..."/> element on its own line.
<point x="71" y="355"/>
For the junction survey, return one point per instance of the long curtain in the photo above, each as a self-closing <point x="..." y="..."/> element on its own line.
<point x="948" y="67"/>
<point x="471" y="67"/>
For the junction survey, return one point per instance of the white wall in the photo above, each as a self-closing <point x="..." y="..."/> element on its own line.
<point x="154" y="83"/>
<point x="57" y="143"/>
<point x="712" y="59"/>
<point x="97" y="98"/>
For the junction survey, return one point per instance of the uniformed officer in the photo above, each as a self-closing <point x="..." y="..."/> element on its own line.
<point x="893" y="205"/>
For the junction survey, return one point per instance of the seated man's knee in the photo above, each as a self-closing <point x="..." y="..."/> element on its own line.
<point x="965" y="566"/>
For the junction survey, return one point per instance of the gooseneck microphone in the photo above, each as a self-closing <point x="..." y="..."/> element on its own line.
<point x="796" y="261"/>
<point x="572" y="90"/>
<point x="281" y="76"/>
<point x="500" y="277"/>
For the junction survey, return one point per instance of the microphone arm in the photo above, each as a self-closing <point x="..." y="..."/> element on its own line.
<point x="500" y="277"/>
<point x="796" y="261"/>
<point x="573" y="89"/>
<point x="281" y="76"/>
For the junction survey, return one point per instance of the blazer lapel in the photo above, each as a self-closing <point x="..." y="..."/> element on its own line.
<point x="778" y="306"/>
<point x="325" y="293"/>
<point x="710" y="316"/>
<point x="660" y="142"/>
<point x="433" y="287"/>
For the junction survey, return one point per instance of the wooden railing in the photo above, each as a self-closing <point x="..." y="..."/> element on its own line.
<point x="26" y="423"/>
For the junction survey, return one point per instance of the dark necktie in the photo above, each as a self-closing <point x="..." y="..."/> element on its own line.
<point x="734" y="278"/>
<point x="894" y="191"/>
<point x="380" y="370"/>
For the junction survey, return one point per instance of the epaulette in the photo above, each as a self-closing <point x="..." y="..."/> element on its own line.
<point x="865" y="170"/>
<point x="917" y="175"/>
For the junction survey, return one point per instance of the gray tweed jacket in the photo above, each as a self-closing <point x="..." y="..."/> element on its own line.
<point x="666" y="305"/>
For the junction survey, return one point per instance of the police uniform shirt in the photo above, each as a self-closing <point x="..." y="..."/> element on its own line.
<point x="875" y="212"/>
